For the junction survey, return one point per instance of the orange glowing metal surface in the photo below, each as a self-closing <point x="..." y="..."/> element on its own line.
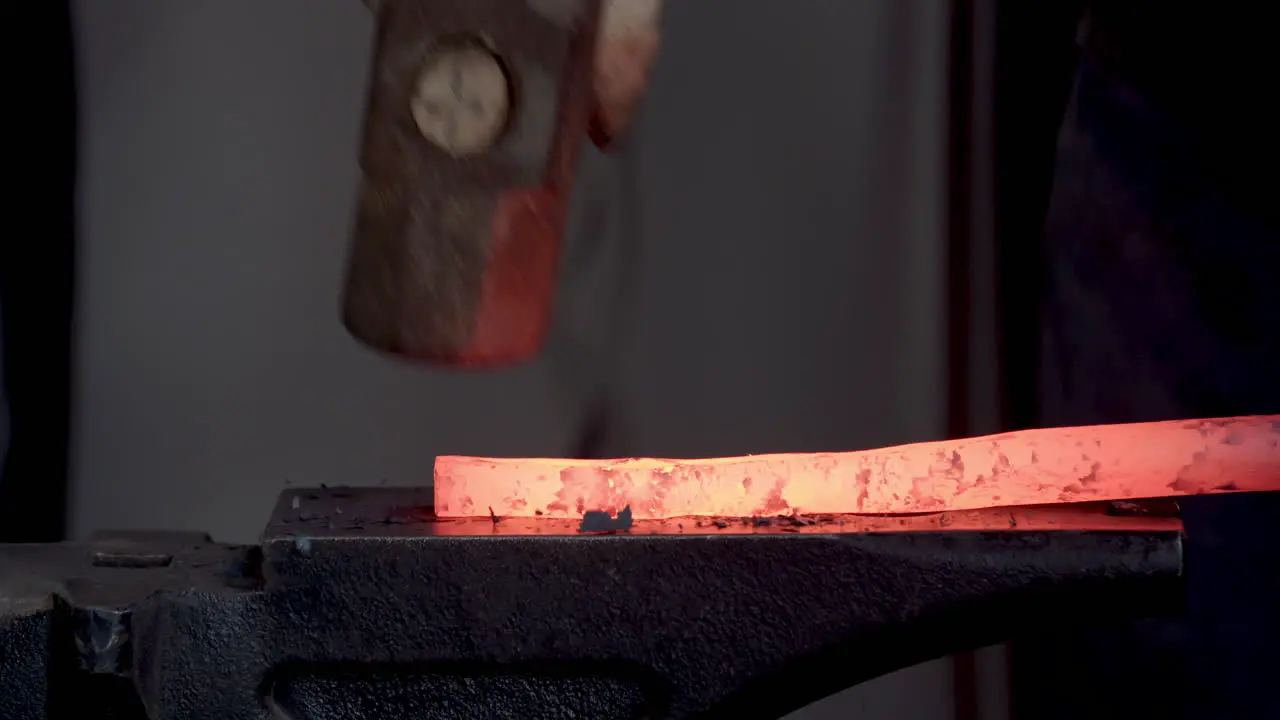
<point x="1034" y="467"/>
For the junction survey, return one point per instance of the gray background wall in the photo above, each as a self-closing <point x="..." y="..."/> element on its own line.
<point x="760" y="269"/>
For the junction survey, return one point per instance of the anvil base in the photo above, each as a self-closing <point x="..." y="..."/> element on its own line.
<point x="360" y="603"/>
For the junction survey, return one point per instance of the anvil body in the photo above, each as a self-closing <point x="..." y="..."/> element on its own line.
<point x="361" y="603"/>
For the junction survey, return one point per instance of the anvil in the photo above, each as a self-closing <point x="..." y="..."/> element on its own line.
<point x="363" y="603"/>
<point x="369" y="603"/>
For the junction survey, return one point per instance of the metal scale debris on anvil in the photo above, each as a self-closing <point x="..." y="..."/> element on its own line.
<point x="551" y="588"/>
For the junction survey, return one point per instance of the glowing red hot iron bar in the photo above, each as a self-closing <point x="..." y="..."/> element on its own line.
<point x="1032" y="467"/>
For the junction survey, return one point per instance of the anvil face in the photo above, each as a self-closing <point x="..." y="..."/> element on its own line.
<point x="363" y="603"/>
<point x="358" y="512"/>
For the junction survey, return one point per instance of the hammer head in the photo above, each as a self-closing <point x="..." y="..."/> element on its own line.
<point x="476" y="112"/>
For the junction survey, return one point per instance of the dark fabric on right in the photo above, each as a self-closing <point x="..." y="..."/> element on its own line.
<point x="1162" y="296"/>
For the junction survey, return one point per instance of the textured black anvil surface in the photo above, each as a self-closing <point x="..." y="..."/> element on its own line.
<point x="359" y="603"/>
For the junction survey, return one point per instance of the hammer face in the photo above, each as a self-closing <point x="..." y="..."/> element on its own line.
<point x="476" y="112"/>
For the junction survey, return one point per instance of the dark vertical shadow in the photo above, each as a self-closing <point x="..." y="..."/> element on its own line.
<point x="960" y="198"/>
<point x="37" y="276"/>
<point x="1035" y="63"/>
<point x="959" y="215"/>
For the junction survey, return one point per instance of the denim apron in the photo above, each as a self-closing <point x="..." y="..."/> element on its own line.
<point x="1163" y="301"/>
